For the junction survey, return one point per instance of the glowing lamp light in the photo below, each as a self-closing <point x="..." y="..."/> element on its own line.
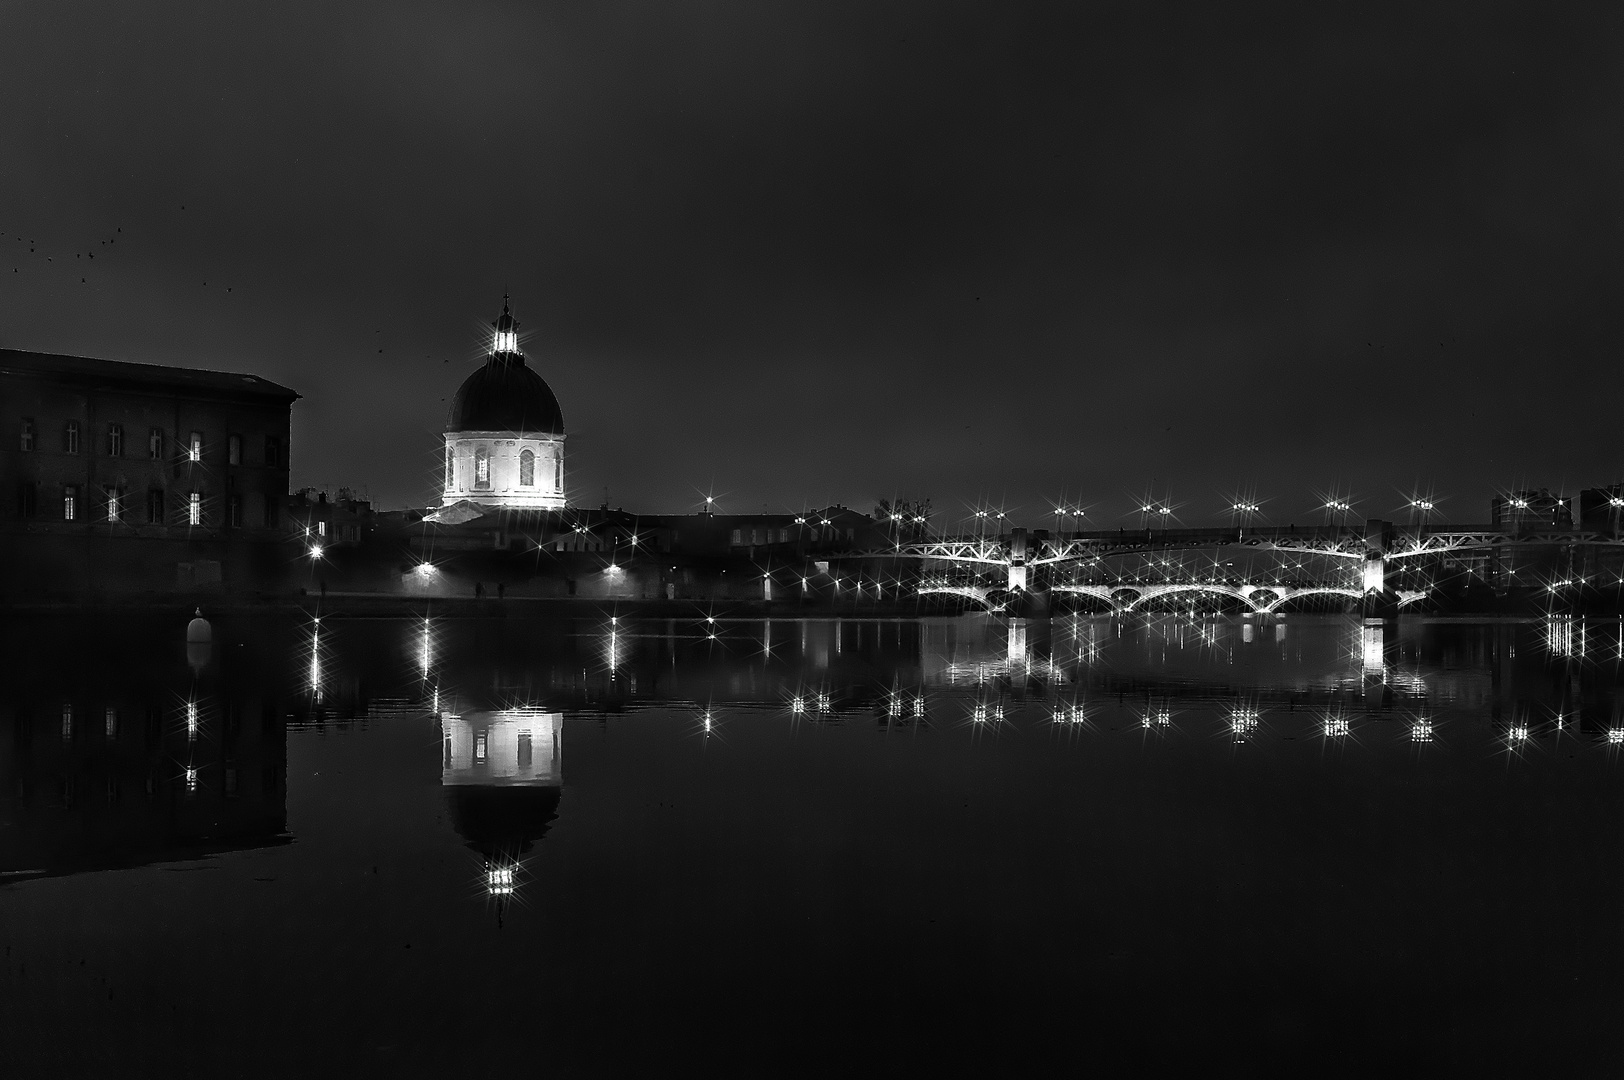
<point x="315" y="551"/>
<point x="507" y="341"/>
<point x="1615" y="501"/>
<point x="1615" y="736"/>
<point x="425" y="569"/>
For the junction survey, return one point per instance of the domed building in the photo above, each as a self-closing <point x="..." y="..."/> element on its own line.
<point x="504" y="439"/>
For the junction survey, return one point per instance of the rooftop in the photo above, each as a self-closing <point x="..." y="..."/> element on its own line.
<point x="118" y="373"/>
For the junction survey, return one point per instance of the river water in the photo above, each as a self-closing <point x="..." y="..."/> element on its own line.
<point x="603" y="845"/>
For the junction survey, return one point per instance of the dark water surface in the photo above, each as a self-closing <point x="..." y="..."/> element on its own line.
<point x="413" y="848"/>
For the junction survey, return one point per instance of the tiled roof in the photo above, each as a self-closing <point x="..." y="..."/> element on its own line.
<point x="84" y="369"/>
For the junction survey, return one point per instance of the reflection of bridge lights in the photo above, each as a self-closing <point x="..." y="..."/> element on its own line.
<point x="1337" y="727"/>
<point x="191" y="780"/>
<point x="919" y="706"/>
<point x="191" y="719"/>
<point x="979" y="716"/>
<point x="893" y="707"/>
<point x="1518" y="733"/>
<point x="707" y="721"/>
<point x="499" y="881"/>
<point x="797" y="706"/>
<point x="1615" y="736"/>
<point x="1243" y="721"/>
<point x="823" y="703"/>
<point x="1421" y="731"/>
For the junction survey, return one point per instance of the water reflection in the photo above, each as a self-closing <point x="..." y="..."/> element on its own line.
<point x="164" y="751"/>
<point x="503" y="777"/>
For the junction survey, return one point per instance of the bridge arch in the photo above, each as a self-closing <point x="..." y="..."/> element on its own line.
<point x="1151" y="592"/>
<point x="1288" y="595"/>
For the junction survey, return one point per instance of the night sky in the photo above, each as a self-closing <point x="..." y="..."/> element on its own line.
<point x="795" y="254"/>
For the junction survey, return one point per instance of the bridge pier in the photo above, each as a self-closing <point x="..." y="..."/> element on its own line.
<point x="1380" y="599"/>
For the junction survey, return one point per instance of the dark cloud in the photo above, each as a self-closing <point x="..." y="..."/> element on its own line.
<point x="838" y="250"/>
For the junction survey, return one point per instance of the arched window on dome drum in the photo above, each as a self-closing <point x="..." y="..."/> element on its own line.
<point x="450" y="469"/>
<point x="482" y="467"/>
<point x="527" y="469"/>
<point x="558" y="474"/>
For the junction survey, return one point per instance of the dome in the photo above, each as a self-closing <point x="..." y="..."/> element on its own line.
<point x="505" y="395"/>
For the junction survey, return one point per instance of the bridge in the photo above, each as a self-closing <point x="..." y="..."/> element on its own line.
<point x="1372" y="553"/>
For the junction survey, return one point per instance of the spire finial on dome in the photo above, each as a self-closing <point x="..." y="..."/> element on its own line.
<point x="506" y="342"/>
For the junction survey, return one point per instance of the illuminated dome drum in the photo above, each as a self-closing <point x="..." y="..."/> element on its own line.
<point x="504" y="439"/>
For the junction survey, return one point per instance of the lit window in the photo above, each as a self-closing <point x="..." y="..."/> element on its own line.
<point x="70" y="437"/>
<point x="111" y="720"/>
<point x="194" y="509"/>
<point x="737" y="537"/>
<point x="450" y="468"/>
<point x="115" y="440"/>
<point x="28" y="433"/>
<point x="482" y="467"/>
<point x="234" y="450"/>
<point x="70" y="503"/>
<point x="321" y="528"/>
<point x="558" y="474"/>
<point x="115" y="504"/>
<point x="527" y="469"/>
<point x="194" y="449"/>
<point x="155" y="443"/>
<point x="67" y="723"/>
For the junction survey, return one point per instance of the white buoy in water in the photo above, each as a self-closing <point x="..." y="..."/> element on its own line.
<point x="199" y="629"/>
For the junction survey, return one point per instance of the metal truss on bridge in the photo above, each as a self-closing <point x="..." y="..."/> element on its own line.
<point x="1126" y="597"/>
<point x="1332" y="541"/>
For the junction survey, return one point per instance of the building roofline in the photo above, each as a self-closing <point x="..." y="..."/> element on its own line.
<point x="150" y="377"/>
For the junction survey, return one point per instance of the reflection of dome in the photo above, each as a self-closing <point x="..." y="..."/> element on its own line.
<point x="502" y="821"/>
<point x="506" y="396"/>
<point x="503" y="777"/>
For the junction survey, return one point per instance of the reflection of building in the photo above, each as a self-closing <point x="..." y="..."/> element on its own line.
<point x="140" y="477"/>
<point x="101" y="779"/>
<point x="503" y="777"/>
<point x="504" y="439"/>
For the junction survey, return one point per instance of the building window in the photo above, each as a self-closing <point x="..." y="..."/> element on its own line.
<point x="527" y="469"/>
<point x="115" y="504"/>
<point x="321" y="528"/>
<point x="272" y="511"/>
<point x="234" y="513"/>
<point x="28" y="433"/>
<point x="70" y="437"/>
<point x="115" y="440"/>
<point x="194" y="508"/>
<point x="482" y="467"/>
<point x="155" y="506"/>
<point x="67" y="722"/>
<point x="27" y="497"/>
<point x="450" y="469"/>
<point x="111" y="720"/>
<point x="70" y="503"/>
<point x="155" y="443"/>
<point x="738" y="537"/>
<point x="194" y="449"/>
<point x="273" y="451"/>
<point x="234" y="450"/>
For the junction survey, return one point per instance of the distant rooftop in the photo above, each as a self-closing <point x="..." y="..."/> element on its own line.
<point x="84" y="369"/>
